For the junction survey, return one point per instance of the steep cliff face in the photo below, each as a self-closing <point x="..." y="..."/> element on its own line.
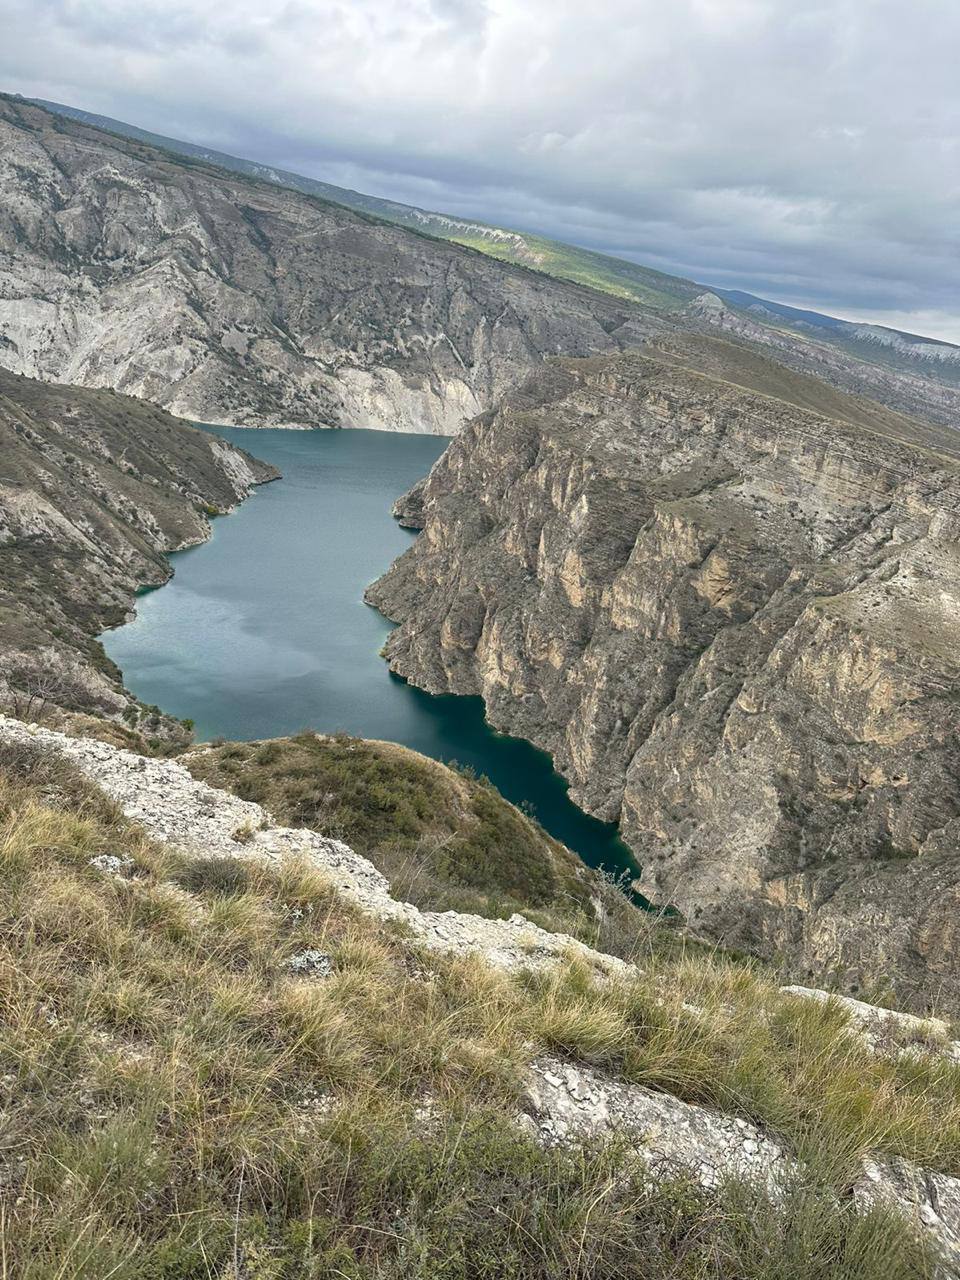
<point x="95" y="487"/>
<point x="235" y="301"/>
<point x="733" y="621"/>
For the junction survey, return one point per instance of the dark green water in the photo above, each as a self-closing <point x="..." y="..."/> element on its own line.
<point x="263" y="630"/>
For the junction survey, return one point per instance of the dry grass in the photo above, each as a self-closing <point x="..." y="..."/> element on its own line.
<point x="177" y="1104"/>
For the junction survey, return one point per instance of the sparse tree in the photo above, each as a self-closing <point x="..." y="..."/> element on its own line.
<point x="36" y="685"/>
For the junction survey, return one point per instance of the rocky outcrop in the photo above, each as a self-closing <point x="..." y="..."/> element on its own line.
<point x="888" y="1031"/>
<point x="229" y="297"/>
<point x="235" y="301"/>
<point x="930" y="1200"/>
<point x="733" y="620"/>
<point x="564" y="1103"/>
<point x="95" y="487"/>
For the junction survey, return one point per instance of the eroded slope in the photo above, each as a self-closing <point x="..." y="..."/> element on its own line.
<point x="235" y="301"/>
<point x="95" y="487"/>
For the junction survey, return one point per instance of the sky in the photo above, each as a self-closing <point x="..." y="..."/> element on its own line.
<point x="804" y="150"/>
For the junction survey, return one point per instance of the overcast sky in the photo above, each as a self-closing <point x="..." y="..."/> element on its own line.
<point x="805" y="150"/>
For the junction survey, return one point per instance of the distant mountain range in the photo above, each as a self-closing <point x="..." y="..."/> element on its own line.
<point x="617" y="276"/>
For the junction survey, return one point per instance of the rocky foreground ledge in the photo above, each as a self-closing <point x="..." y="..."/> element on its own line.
<point x="562" y="1102"/>
<point x="175" y="809"/>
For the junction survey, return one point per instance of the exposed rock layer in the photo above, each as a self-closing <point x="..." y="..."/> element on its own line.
<point x="733" y="621"/>
<point x="95" y="487"/>
<point x="235" y="301"/>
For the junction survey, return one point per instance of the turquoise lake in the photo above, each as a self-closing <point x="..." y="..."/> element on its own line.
<point x="263" y="630"/>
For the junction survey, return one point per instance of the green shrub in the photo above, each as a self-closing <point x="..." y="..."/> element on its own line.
<point x="445" y="838"/>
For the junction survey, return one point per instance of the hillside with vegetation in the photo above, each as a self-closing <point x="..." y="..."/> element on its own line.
<point x="251" y="1065"/>
<point x="444" y="837"/>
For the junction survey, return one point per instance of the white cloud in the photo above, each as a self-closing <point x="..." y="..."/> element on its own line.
<point x="808" y="152"/>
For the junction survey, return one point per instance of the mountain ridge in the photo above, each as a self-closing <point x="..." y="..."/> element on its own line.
<point x="356" y="336"/>
<point x="228" y="299"/>
<point x="620" y="277"/>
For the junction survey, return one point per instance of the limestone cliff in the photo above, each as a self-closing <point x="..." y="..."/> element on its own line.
<point x="95" y="487"/>
<point x="733" y="620"/>
<point x="229" y="300"/>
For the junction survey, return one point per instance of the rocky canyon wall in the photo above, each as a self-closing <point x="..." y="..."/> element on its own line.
<point x="234" y="301"/>
<point x="734" y="622"/>
<point x="94" y="489"/>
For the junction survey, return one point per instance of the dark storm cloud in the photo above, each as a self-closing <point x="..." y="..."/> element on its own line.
<point x="807" y="152"/>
